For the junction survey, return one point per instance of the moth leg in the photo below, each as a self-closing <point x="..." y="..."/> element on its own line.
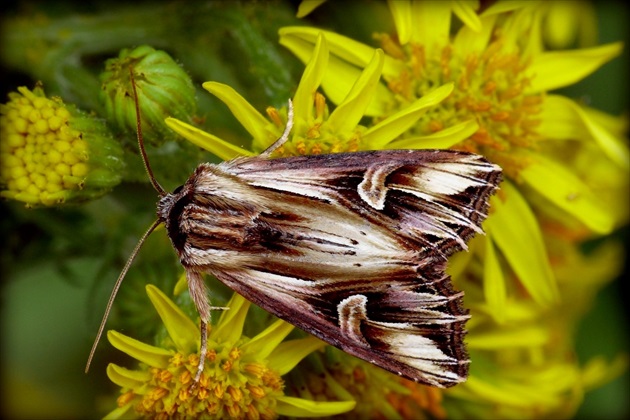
<point x="199" y="295"/>
<point x="203" y="351"/>
<point x="285" y="135"/>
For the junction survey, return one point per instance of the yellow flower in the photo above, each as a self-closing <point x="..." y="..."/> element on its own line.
<point x="242" y="377"/>
<point x="501" y="77"/>
<point x="567" y="167"/>
<point x="51" y="153"/>
<point x="569" y="22"/>
<point x="335" y="375"/>
<point x="316" y="130"/>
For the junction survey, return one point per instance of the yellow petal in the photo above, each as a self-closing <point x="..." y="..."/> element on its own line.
<point x="310" y="81"/>
<point x="567" y="22"/>
<point x="562" y="118"/>
<point x="494" y="283"/>
<point x="505" y="6"/>
<point x="127" y="378"/>
<point x="181" y="285"/>
<point x="339" y="79"/>
<point x="467" y="41"/>
<point x="401" y="13"/>
<point x="431" y="25"/>
<point x="511" y="393"/>
<point x="347" y="115"/>
<point x="181" y="329"/>
<point x="151" y="355"/>
<point x="342" y="71"/>
<point x="377" y="136"/>
<point x="466" y="12"/>
<point x="230" y="325"/>
<point x="290" y="353"/>
<point x="564" y="189"/>
<point x="266" y="342"/>
<point x="207" y="141"/>
<point x="514" y="229"/>
<point x="307" y="6"/>
<point x="344" y="48"/>
<point x="245" y="113"/>
<point x="298" y="407"/>
<point x="119" y="413"/>
<point x="443" y="139"/>
<point x="556" y="69"/>
<point x="505" y="338"/>
<point x="599" y="372"/>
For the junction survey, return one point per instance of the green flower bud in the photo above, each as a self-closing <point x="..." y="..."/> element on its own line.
<point x="51" y="153"/>
<point x="164" y="90"/>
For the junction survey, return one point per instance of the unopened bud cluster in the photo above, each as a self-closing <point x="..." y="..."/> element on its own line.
<point x="163" y="88"/>
<point x="50" y="153"/>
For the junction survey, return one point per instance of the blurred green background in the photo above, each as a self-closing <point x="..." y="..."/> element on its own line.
<point x="58" y="265"/>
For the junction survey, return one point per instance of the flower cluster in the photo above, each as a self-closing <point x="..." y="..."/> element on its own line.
<point x="50" y="153"/>
<point x="242" y="377"/>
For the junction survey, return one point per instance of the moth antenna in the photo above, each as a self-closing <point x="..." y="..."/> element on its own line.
<point x="110" y="302"/>
<point x="145" y="158"/>
<point x="285" y="135"/>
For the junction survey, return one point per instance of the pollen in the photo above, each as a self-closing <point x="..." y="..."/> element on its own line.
<point x="45" y="156"/>
<point x="246" y="390"/>
<point x="312" y="135"/>
<point x="420" y="398"/>
<point x="490" y="89"/>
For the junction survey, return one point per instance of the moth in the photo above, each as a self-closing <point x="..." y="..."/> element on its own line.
<point x="350" y="247"/>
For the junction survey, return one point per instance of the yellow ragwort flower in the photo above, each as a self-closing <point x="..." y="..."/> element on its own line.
<point x="242" y="376"/>
<point x="337" y="376"/>
<point x="567" y="167"/>
<point x="316" y="129"/>
<point x="501" y="80"/>
<point x="50" y="153"/>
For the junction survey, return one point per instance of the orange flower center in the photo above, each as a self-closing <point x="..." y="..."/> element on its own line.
<point x="490" y="88"/>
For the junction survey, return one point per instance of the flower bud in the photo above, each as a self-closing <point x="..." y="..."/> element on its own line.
<point x="51" y="153"/>
<point x="163" y="87"/>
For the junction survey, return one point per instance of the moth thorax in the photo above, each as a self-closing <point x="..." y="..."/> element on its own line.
<point x="165" y="205"/>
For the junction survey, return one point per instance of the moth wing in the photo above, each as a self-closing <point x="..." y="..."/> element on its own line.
<point x="437" y="199"/>
<point x="411" y="327"/>
<point x="404" y="316"/>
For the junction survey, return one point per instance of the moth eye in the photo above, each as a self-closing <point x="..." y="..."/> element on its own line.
<point x="178" y="189"/>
